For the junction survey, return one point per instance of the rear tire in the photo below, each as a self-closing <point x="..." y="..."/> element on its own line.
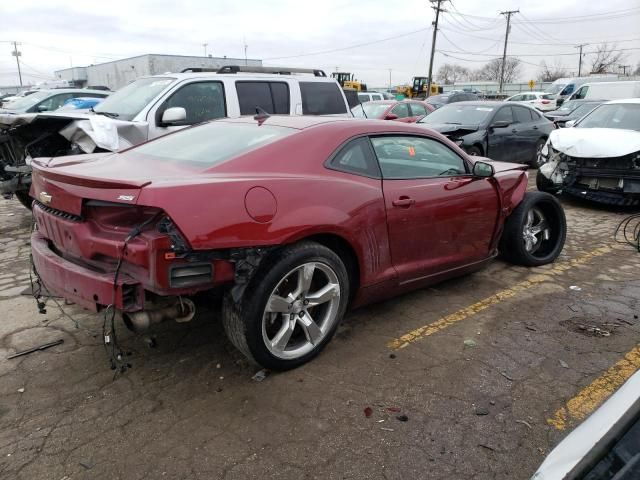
<point x="474" y="151"/>
<point x="24" y="198"/>
<point x="543" y="184"/>
<point x="535" y="232"/>
<point x="291" y="308"/>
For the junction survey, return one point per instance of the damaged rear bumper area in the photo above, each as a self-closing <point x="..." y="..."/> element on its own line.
<point x="610" y="181"/>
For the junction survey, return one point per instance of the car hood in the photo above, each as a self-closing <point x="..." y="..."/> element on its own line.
<point x="85" y="129"/>
<point x="449" y="129"/>
<point x="595" y="142"/>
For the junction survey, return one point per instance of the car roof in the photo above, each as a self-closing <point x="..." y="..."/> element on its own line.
<point x="72" y="90"/>
<point x="482" y="103"/>
<point x="299" y="122"/>
<point x="242" y="75"/>
<point x="625" y="100"/>
<point x="385" y="102"/>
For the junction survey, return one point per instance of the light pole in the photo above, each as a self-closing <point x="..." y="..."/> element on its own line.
<point x="205" y="48"/>
<point x="389" y="80"/>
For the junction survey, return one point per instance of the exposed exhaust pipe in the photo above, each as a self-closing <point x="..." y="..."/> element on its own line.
<point x="181" y="311"/>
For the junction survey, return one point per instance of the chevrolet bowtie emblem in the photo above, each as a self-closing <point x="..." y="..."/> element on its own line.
<point x="45" y="197"/>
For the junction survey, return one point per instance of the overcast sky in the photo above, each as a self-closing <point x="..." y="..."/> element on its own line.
<point x="56" y="34"/>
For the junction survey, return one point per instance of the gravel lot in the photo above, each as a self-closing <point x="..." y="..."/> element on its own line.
<point x="484" y="388"/>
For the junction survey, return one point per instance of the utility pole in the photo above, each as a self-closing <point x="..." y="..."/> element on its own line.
<point x="205" y="48"/>
<point x="506" y="39"/>
<point x="17" y="54"/>
<point x="580" y="58"/>
<point x="389" y="79"/>
<point x="244" y="41"/>
<point x="433" y="40"/>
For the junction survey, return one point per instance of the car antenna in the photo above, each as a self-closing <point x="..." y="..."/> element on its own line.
<point x="363" y="112"/>
<point x="261" y="115"/>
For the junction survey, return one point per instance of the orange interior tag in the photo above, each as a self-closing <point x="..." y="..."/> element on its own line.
<point x="412" y="152"/>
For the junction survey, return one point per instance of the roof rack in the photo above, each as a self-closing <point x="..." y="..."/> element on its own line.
<point x="276" y="70"/>
<point x="198" y="69"/>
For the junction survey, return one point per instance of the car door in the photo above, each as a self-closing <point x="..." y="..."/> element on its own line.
<point x="526" y="135"/>
<point x="417" y="111"/>
<point x="202" y="101"/>
<point x="500" y="140"/>
<point x="438" y="215"/>
<point x="402" y="111"/>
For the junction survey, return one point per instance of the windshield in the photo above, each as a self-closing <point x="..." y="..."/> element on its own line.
<point x="459" y="115"/>
<point x="212" y="143"/>
<point x="556" y="87"/>
<point x="25" y="103"/>
<point x="583" y="109"/>
<point x="568" y="90"/>
<point x="568" y="107"/>
<point x="127" y="102"/>
<point x="372" y="110"/>
<point x="625" y="116"/>
<point x="438" y="99"/>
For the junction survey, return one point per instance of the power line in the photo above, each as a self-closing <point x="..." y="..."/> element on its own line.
<point x="322" y="52"/>
<point x="540" y="54"/>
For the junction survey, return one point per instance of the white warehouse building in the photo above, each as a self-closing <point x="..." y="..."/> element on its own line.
<point x="118" y="73"/>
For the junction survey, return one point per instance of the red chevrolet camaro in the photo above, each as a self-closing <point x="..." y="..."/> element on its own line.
<point x="296" y="218"/>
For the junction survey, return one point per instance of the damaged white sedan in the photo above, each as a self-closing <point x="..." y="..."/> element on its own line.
<point x="598" y="158"/>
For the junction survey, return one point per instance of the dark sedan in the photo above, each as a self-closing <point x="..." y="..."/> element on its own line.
<point x="572" y="110"/>
<point x="500" y="131"/>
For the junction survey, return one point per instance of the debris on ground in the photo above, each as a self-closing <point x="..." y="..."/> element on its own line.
<point x="21" y="390"/>
<point x="368" y="411"/>
<point x="575" y="287"/>
<point x="394" y="409"/>
<point x="261" y="375"/>
<point x="402" y="418"/>
<point x="530" y="327"/>
<point x="523" y="422"/>
<point x="481" y="409"/>
<point x="470" y="342"/>
<point x="563" y="364"/>
<point x="44" y="346"/>
<point x="387" y="429"/>
<point x="392" y="355"/>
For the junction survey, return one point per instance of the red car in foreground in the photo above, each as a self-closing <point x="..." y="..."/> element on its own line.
<point x="296" y="218"/>
<point x="406" y="111"/>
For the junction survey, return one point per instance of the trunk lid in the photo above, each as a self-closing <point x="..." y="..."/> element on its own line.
<point x="64" y="183"/>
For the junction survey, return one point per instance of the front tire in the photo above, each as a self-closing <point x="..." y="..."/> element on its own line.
<point x="24" y="198"/>
<point x="543" y="184"/>
<point x="291" y="307"/>
<point x="474" y="151"/>
<point x="535" y="232"/>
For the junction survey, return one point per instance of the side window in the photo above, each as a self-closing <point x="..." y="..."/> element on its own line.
<point x="568" y="90"/>
<point x="202" y="101"/>
<point x="580" y="94"/>
<point x="503" y="115"/>
<point x="54" y="102"/>
<point x="356" y="157"/>
<point x="322" y="98"/>
<point x="522" y="115"/>
<point x="417" y="110"/>
<point x="401" y="110"/>
<point x="272" y="97"/>
<point x="405" y="157"/>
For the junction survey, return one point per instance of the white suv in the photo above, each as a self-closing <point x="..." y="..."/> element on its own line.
<point x="153" y="106"/>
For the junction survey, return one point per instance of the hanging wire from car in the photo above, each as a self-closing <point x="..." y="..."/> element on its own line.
<point x="628" y="231"/>
<point x="114" y="352"/>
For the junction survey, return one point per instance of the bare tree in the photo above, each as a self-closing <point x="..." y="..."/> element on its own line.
<point x="450" y="73"/>
<point x="606" y="57"/>
<point x="491" y="70"/>
<point x="550" y="74"/>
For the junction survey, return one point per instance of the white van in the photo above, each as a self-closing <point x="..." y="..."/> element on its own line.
<point x="608" y="90"/>
<point x="563" y="88"/>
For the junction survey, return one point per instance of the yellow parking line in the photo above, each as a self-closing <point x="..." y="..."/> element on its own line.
<point x="592" y="396"/>
<point x="533" y="280"/>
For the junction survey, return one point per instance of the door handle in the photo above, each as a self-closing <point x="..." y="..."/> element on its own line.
<point x="514" y="131"/>
<point x="535" y="127"/>
<point x="403" y="201"/>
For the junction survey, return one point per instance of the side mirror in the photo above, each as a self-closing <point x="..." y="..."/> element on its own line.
<point x="570" y="123"/>
<point x="391" y="116"/>
<point x="500" y="124"/>
<point x="483" y="169"/>
<point x="174" y="115"/>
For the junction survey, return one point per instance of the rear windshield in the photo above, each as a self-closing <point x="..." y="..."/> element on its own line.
<point x="213" y="143"/>
<point x="371" y="110"/>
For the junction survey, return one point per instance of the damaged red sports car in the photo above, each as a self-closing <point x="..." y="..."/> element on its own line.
<point x="296" y="218"/>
